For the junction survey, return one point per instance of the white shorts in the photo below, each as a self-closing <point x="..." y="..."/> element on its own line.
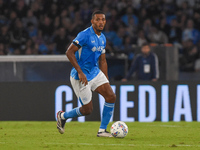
<point x="84" y="93"/>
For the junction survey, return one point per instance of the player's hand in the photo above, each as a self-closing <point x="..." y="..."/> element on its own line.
<point x="82" y="78"/>
<point x="124" y="80"/>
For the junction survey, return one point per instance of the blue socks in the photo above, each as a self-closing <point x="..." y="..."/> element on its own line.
<point x="73" y="113"/>
<point x="107" y="113"/>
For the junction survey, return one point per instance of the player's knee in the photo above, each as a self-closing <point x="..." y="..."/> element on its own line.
<point x="111" y="98"/>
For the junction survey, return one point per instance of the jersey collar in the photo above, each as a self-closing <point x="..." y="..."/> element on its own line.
<point x="92" y="30"/>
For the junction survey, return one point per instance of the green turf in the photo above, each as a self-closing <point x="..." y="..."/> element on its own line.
<point x="44" y="135"/>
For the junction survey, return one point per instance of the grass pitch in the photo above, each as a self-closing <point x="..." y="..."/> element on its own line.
<point x="44" y="135"/>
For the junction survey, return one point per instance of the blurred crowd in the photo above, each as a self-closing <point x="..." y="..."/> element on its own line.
<point x="48" y="26"/>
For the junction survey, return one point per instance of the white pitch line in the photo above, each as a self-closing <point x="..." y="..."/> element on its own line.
<point x="136" y="145"/>
<point x="125" y="145"/>
<point x="151" y="145"/>
<point x="171" y="126"/>
<point x="2" y="142"/>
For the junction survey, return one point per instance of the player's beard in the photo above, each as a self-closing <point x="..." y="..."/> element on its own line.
<point x="100" y="30"/>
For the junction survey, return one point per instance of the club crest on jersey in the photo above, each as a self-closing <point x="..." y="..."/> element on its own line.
<point x="99" y="48"/>
<point x="94" y="49"/>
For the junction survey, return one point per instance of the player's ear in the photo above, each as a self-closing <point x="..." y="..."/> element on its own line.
<point x="92" y="21"/>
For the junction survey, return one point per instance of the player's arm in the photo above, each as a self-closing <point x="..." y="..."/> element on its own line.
<point x="103" y="64"/>
<point x="71" y="56"/>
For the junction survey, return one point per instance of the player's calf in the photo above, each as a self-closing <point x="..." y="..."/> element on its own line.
<point x="86" y="111"/>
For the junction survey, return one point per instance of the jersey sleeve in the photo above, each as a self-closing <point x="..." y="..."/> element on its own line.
<point x="103" y="51"/>
<point x="80" y="40"/>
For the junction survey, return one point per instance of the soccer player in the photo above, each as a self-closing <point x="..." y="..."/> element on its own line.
<point x="89" y="73"/>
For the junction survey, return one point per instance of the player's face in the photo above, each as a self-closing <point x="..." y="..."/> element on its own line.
<point x="145" y="49"/>
<point x="98" y="22"/>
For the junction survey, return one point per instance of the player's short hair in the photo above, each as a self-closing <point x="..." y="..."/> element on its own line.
<point x="97" y="12"/>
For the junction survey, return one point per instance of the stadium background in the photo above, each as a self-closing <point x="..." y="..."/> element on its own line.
<point x="34" y="37"/>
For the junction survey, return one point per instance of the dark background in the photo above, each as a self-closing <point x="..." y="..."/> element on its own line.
<point x="36" y="100"/>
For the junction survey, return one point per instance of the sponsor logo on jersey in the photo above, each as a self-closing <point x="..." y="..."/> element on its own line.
<point x="94" y="49"/>
<point x="93" y="41"/>
<point x="99" y="48"/>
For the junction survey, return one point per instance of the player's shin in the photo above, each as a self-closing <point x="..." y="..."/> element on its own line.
<point x="107" y="113"/>
<point x="72" y="114"/>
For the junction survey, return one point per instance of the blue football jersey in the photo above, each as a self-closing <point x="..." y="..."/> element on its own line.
<point x="91" y="46"/>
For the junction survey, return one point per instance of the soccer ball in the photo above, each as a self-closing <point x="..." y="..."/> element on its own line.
<point x="119" y="129"/>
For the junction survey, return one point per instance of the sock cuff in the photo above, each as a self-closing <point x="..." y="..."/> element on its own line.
<point x="62" y="116"/>
<point x="78" y="111"/>
<point x="101" y="130"/>
<point x="109" y="104"/>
